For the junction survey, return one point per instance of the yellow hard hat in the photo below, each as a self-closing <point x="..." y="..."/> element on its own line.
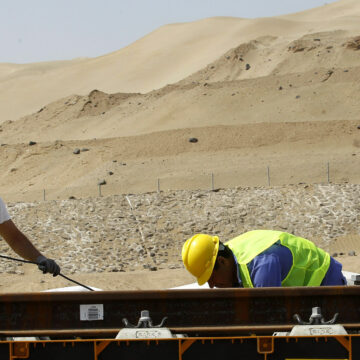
<point x="199" y="256"/>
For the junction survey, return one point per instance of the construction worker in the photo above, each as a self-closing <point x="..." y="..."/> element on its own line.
<point x="22" y="245"/>
<point x="260" y="258"/>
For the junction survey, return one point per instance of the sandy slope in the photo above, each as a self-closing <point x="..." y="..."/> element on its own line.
<point x="34" y="280"/>
<point x="337" y="10"/>
<point x="281" y="92"/>
<point x="165" y="56"/>
<point x="295" y="152"/>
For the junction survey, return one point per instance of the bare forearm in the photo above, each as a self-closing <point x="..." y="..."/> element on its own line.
<point x="23" y="247"/>
<point x="18" y="241"/>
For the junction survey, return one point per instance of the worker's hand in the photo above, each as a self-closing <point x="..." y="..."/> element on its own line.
<point x="48" y="265"/>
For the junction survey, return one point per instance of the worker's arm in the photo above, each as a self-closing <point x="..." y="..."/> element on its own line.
<point x="18" y="241"/>
<point x="334" y="275"/>
<point x="24" y="248"/>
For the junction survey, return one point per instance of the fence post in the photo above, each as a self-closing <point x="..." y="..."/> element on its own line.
<point x="158" y="185"/>
<point x="99" y="190"/>
<point x="268" y="175"/>
<point x="44" y="195"/>
<point x="328" y="172"/>
<point x="212" y="181"/>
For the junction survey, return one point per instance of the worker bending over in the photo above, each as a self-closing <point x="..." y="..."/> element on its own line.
<point x="260" y="258"/>
<point x="22" y="245"/>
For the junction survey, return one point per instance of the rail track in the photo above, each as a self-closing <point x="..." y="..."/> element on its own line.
<point x="211" y="323"/>
<point x="206" y="311"/>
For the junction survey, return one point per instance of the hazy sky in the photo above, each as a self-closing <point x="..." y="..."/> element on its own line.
<point x="43" y="30"/>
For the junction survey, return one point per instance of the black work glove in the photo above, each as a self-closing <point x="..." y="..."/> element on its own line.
<point x="48" y="265"/>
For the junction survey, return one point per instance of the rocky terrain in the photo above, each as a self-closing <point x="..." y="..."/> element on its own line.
<point x="124" y="233"/>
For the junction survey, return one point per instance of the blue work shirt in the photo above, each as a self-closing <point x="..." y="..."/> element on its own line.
<point x="272" y="266"/>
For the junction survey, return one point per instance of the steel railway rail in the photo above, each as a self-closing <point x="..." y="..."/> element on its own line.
<point x="186" y="309"/>
<point x="211" y="323"/>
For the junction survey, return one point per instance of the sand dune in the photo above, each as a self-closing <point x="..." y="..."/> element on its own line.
<point x="339" y="9"/>
<point x="165" y="56"/>
<point x="250" y="78"/>
<point x="254" y="78"/>
<point x="313" y="78"/>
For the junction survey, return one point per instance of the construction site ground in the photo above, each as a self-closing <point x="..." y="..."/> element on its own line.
<point x="105" y="243"/>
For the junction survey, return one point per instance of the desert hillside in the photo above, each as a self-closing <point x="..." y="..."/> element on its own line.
<point x="282" y="95"/>
<point x="223" y="104"/>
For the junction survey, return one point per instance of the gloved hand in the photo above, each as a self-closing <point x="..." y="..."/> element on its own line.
<point x="48" y="265"/>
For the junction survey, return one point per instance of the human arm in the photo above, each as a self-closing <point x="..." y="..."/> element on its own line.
<point x="24" y="247"/>
<point x="18" y="241"/>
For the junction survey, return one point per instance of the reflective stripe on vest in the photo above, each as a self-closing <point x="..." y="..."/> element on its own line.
<point x="310" y="263"/>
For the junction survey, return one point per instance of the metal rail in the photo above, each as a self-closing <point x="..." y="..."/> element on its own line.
<point x="190" y="331"/>
<point x="198" y="312"/>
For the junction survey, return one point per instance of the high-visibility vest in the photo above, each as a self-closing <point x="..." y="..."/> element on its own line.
<point x="310" y="263"/>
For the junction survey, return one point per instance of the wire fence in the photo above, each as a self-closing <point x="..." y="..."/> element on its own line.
<point x="274" y="175"/>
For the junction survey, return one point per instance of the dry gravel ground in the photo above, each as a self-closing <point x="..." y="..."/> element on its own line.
<point x="134" y="241"/>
